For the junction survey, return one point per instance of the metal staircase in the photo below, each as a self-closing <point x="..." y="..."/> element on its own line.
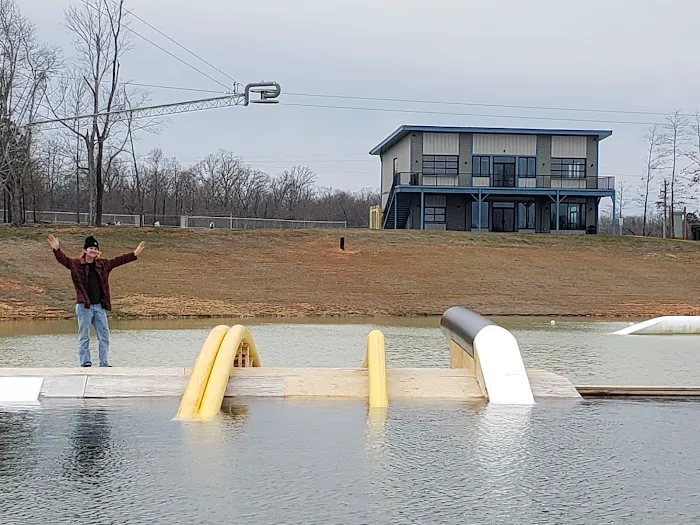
<point x="399" y="207"/>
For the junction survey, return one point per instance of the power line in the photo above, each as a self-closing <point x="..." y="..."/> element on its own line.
<point x="180" y="45"/>
<point x="479" y="104"/>
<point x="166" y="51"/>
<point x="174" y="88"/>
<point x="447" y="113"/>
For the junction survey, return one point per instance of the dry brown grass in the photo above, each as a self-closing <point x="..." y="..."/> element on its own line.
<point x="304" y="273"/>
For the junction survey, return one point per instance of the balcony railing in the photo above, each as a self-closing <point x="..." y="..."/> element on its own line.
<point x="480" y="181"/>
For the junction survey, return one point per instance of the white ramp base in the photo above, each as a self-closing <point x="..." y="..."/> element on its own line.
<point x="20" y="389"/>
<point x="667" y="325"/>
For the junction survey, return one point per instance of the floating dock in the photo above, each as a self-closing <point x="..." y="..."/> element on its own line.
<point x="456" y="384"/>
<point x="485" y="365"/>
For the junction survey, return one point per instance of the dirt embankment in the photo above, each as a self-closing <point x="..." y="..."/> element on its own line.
<point x="304" y="273"/>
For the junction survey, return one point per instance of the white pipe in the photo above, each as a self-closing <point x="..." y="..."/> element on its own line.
<point x="502" y="367"/>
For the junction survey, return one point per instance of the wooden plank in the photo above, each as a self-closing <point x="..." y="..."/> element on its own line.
<point x="102" y="386"/>
<point x="550" y="385"/>
<point x="266" y="386"/>
<point x="435" y="383"/>
<point x="685" y="392"/>
<point x="322" y="382"/>
<point x="64" y="386"/>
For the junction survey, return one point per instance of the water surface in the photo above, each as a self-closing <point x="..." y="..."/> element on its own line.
<point x="276" y="461"/>
<point x="582" y="350"/>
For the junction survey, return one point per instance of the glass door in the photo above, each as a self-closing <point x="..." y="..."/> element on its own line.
<point x="504" y="172"/>
<point x="503" y="217"/>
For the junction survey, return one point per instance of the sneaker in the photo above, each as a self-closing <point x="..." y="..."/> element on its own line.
<point x="86" y="365"/>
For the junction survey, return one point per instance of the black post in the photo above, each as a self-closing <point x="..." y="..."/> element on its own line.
<point x="342" y="243"/>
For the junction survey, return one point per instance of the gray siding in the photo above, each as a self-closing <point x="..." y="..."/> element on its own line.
<point x="546" y="214"/>
<point x="544" y="158"/>
<point x="416" y="152"/>
<point x="465" y="159"/>
<point x="539" y="215"/>
<point x="591" y="211"/>
<point x="592" y="163"/>
<point x="456" y="213"/>
<point x="401" y="152"/>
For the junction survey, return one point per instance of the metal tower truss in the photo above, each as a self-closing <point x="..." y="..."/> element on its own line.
<point x="267" y="91"/>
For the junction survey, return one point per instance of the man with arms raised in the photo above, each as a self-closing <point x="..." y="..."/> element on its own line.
<point x="90" y="276"/>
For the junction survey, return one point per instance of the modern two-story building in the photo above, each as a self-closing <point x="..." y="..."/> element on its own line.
<point x="495" y="179"/>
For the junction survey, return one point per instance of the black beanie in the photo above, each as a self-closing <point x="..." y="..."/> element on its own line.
<point x="90" y="242"/>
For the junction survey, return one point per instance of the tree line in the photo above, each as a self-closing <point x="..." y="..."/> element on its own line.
<point x="159" y="188"/>
<point x="91" y="164"/>
<point x="670" y="182"/>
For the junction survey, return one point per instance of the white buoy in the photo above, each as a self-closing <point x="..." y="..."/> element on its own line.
<point x="553" y="322"/>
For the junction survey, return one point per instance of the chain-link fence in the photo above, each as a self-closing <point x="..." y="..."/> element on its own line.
<point x="240" y="223"/>
<point x="177" y="221"/>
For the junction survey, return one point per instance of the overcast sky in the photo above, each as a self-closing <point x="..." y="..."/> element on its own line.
<point x="613" y="55"/>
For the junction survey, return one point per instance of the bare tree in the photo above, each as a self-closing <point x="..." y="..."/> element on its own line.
<point x="95" y="88"/>
<point x="25" y="67"/>
<point x="693" y="151"/>
<point x="672" y="141"/>
<point x="621" y="196"/>
<point x="654" y="159"/>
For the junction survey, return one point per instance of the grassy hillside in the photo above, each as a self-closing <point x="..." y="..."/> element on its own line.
<point x="299" y="273"/>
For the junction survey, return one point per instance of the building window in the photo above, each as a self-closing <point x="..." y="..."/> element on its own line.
<point x="484" y="215"/>
<point x="435" y="209"/>
<point x="481" y="166"/>
<point x="527" y="167"/>
<point x="440" y="164"/>
<point x="526" y="216"/>
<point x="572" y="216"/>
<point x="395" y="166"/>
<point x="569" y="168"/>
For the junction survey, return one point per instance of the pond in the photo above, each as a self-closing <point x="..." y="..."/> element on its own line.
<point x="581" y="350"/>
<point x="319" y="461"/>
<point x="331" y="461"/>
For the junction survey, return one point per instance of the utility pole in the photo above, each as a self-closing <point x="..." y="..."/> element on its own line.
<point x="665" y="208"/>
<point x="77" y="178"/>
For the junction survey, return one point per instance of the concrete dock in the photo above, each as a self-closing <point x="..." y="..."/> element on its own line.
<point x="403" y="383"/>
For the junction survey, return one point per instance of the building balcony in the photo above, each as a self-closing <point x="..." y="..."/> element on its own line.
<point x="504" y="181"/>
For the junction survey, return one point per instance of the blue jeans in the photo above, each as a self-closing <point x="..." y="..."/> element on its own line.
<point x="96" y="316"/>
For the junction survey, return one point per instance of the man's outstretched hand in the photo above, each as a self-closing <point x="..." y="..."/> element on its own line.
<point x="53" y="241"/>
<point x="138" y="249"/>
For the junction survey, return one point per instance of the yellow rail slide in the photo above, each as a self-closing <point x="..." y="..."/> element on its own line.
<point x="228" y="348"/>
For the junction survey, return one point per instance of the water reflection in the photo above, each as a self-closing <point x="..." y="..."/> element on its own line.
<point x="90" y="452"/>
<point x="284" y="461"/>
<point x="375" y="435"/>
<point x="233" y="410"/>
<point x="501" y="436"/>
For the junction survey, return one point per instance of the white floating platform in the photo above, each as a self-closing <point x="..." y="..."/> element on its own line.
<point x="403" y="383"/>
<point x="20" y="389"/>
<point x="667" y="325"/>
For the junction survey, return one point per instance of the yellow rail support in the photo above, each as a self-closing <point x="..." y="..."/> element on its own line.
<point x="236" y="337"/>
<point x="375" y="363"/>
<point x="224" y="349"/>
<point x="192" y="398"/>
